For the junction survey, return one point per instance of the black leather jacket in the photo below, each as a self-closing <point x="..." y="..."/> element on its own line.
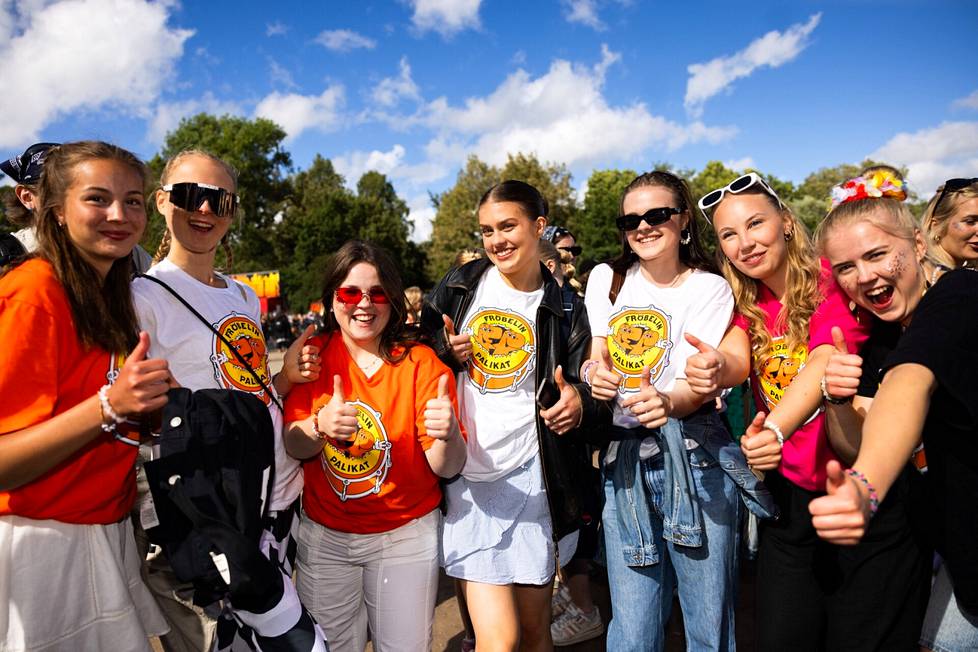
<point x="561" y="455"/>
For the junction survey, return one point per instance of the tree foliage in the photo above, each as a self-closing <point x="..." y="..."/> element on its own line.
<point x="594" y="226"/>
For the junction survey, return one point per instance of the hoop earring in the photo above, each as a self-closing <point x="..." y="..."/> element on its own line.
<point x="788" y="235"/>
<point x="685" y="237"/>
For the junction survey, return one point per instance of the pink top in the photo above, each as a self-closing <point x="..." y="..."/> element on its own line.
<point x="807" y="450"/>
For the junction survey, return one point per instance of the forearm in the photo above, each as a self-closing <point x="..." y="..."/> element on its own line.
<point x="684" y="401"/>
<point x="446" y="457"/>
<point x="893" y="426"/>
<point x="300" y="441"/>
<point x="735" y="348"/>
<point x="844" y="424"/>
<point x="804" y="395"/>
<point x="281" y="383"/>
<point x="27" y="454"/>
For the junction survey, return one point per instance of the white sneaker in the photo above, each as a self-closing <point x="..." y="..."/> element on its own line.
<point x="559" y="601"/>
<point x="574" y="625"/>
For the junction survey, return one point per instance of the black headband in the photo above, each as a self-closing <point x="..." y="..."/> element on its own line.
<point x="26" y="168"/>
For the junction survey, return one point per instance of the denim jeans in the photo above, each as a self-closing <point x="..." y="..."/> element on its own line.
<point x="705" y="576"/>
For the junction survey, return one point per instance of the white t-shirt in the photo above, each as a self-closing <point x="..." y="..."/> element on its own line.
<point x="199" y="360"/>
<point x="645" y="327"/>
<point x="496" y="394"/>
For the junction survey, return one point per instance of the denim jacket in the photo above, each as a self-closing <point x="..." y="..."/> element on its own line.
<point x="681" y="516"/>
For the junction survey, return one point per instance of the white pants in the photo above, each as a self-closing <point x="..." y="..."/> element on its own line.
<point x="387" y="581"/>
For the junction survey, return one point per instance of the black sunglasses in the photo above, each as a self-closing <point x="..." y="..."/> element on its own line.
<point x="573" y="251"/>
<point x="652" y="217"/>
<point x="953" y="185"/>
<point x="191" y="196"/>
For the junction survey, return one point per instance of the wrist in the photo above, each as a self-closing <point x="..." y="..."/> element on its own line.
<point x="832" y="399"/>
<point x="776" y="429"/>
<point x="866" y="490"/>
<point x="108" y="417"/>
<point x="589" y="366"/>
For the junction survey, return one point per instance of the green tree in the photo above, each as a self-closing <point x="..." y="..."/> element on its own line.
<point x="254" y="148"/>
<point x="551" y="179"/>
<point x="5" y="192"/>
<point x="594" y="226"/>
<point x="382" y="218"/>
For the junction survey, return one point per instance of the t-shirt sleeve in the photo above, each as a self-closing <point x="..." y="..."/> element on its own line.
<point x="834" y="311"/>
<point x="941" y="337"/>
<point x="31" y="363"/>
<point x="596" y="299"/>
<point x="428" y="372"/>
<point x="707" y="318"/>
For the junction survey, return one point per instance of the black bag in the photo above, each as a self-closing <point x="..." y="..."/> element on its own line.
<point x="211" y="487"/>
<point x="10" y="249"/>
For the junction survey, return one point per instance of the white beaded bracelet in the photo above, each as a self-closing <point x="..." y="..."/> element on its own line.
<point x="106" y="409"/>
<point x="776" y="429"/>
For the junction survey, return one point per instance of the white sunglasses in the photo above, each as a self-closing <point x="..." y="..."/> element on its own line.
<point x="740" y="184"/>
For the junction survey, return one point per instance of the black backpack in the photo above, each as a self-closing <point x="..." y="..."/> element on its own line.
<point x="10" y="248"/>
<point x="211" y="488"/>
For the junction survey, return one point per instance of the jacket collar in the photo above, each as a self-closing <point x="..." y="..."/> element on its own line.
<point x="467" y="278"/>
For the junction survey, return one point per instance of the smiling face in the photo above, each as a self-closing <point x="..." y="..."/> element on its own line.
<point x="879" y="271"/>
<point x="751" y="232"/>
<point x="196" y="233"/>
<point x="363" y="322"/>
<point x="961" y="239"/>
<point x="103" y="212"/>
<point x="654" y="243"/>
<point x="510" y="238"/>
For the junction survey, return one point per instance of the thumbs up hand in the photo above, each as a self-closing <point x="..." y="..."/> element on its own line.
<point x="841" y="516"/>
<point x="460" y="345"/>
<point x="567" y="412"/>
<point x="843" y="370"/>
<point x="337" y="419"/>
<point x="142" y="383"/>
<point x="604" y="381"/>
<point x="650" y="406"/>
<point x="301" y="363"/>
<point x="760" y="445"/>
<point x="703" y="369"/>
<point x="440" y="421"/>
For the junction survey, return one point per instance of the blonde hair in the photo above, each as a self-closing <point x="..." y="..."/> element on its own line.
<point x="934" y="223"/>
<point x="802" y="293"/>
<point x="164" y="247"/>
<point x="467" y="256"/>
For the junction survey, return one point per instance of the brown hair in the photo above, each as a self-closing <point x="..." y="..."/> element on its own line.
<point x="934" y="223"/>
<point x="164" y="247"/>
<point x="103" y="311"/>
<point x="396" y="338"/>
<point x="15" y="212"/>
<point x="467" y="256"/>
<point x="802" y="288"/>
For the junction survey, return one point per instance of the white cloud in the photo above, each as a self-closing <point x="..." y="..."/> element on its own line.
<point x="167" y="115"/>
<point x="344" y="40"/>
<point x="934" y="154"/>
<point x="278" y="28"/>
<point x="392" y="90"/>
<point x="447" y="17"/>
<point x="584" y="12"/>
<point x="352" y="165"/>
<point x="771" y="50"/>
<point x="280" y="74"/>
<point x="740" y="164"/>
<point x="421" y="215"/>
<point x="297" y="113"/>
<point x="969" y="102"/>
<point x="560" y="116"/>
<point x="82" y="54"/>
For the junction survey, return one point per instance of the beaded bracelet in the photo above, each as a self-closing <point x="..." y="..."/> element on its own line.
<point x="105" y="410"/>
<point x="832" y="399"/>
<point x="590" y="364"/>
<point x="874" y="498"/>
<point x="776" y="429"/>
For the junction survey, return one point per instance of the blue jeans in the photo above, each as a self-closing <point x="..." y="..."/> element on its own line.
<point x="706" y="576"/>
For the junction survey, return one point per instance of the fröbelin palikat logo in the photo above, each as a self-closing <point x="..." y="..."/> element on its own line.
<point x="503" y="349"/>
<point x="639" y="338"/>
<point x="778" y="369"/>
<point x="358" y="468"/>
<point x="246" y="337"/>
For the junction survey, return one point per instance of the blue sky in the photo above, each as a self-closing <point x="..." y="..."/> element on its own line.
<point x="412" y="87"/>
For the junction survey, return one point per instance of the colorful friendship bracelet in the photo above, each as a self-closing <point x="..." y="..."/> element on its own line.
<point x="874" y="498"/>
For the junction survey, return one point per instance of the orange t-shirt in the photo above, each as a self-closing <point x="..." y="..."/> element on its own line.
<point x="383" y="480"/>
<point x="46" y="370"/>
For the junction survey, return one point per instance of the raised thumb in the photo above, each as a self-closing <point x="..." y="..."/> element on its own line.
<point x="835" y="478"/>
<point x="337" y="388"/>
<point x="839" y="340"/>
<point x="605" y="357"/>
<point x="142" y="348"/>
<point x="756" y="425"/>
<point x="306" y="334"/>
<point x="449" y="325"/>
<point x="443" y="386"/>
<point x="559" y="378"/>
<point x="700" y="345"/>
<point x="644" y="382"/>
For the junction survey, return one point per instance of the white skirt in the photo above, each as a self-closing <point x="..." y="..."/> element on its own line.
<point x="66" y="586"/>
<point x="499" y="532"/>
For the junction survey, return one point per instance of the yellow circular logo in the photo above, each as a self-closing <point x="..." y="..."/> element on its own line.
<point x="638" y="338"/>
<point x="359" y="467"/>
<point x="128" y="432"/>
<point x="779" y="368"/>
<point x="247" y="339"/>
<point x="503" y="349"/>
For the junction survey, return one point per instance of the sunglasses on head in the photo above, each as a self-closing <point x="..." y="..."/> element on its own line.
<point x="573" y="251"/>
<point x="652" y="217"/>
<point x="191" y="196"/>
<point x="953" y="185"/>
<point x="740" y="184"/>
<point x="351" y="296"/>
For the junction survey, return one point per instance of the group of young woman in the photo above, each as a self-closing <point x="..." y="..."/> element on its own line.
<point x="459" y="440"/>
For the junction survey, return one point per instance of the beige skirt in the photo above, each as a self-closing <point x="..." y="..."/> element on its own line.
<point x="72" y="587"/>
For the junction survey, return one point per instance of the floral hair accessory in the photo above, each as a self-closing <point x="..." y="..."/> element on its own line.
<point x="876" y="185"/>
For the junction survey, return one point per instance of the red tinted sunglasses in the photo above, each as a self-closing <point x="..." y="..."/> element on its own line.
<point x="351" y="296"/>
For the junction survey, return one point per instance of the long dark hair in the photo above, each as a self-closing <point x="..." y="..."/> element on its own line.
<point x="692" y="254"/>
<point x="396" y="339"/>
<point x="102" y="310"/>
